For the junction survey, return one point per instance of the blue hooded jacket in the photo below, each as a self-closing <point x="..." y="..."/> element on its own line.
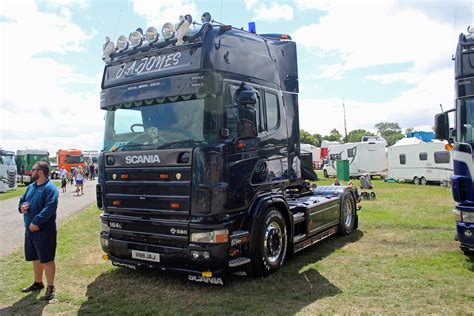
<point x="43" y="201"/>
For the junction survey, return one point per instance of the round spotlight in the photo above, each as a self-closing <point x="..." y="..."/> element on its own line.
<point x="122" y="43"/>
<point x="188" y="18"/>
<point x="206" y="17"/>
<point x="168" y="30"/>
<point x="135" y="39"/>
<point x="151" y="35"/>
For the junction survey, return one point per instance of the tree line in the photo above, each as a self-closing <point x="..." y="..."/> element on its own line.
<point x="389" y="130"/>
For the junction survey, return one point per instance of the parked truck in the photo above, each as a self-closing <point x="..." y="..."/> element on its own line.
<point x="25" y="159"/>
<point x="70" y="159"/>
<point x="461" y="137"/>
<point x="200" y="171"/>
<point x="7" y="171"/>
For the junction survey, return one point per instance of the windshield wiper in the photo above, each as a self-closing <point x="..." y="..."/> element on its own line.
<point x="191" y="142"/>
<point x="115" y="148"/>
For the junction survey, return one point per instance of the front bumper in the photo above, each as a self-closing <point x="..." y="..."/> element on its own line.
<point x="178" y="259"/>
<point x="465" y="235"/>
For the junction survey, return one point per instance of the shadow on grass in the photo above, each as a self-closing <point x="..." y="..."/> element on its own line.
<point x="124" y="291"/>
<point x="28" y="305"/>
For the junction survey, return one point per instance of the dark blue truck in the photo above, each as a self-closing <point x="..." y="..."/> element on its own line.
<point x="201" y="170"/>
<point x="461" y="136"/>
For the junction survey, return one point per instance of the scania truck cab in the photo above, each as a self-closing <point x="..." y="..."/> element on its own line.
<point x="7" y="171"/>
<point x="200" y="171"/>
<point x="461" y="137"/>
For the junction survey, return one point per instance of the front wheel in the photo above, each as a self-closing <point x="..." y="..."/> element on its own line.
<point x="272" y="243"/>
<point x="416" y="181"/>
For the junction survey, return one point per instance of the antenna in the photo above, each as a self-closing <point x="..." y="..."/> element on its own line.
<point x="118" y="20"/>
<point x="441" y="106"/>
<point x="345" y="126"/>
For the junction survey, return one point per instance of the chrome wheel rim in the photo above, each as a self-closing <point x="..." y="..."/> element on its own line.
<point x="348" y="213"/>
<point x="273" y="242"/>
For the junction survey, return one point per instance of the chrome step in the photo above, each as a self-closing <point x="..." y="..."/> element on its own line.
<point x="298" y="238"/>
<point x="298" y="217"/>
<point x="238" y="262"/>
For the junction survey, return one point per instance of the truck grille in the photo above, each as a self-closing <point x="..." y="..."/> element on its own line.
<point x="11" y="177"/>
<point x="150" y="191"/>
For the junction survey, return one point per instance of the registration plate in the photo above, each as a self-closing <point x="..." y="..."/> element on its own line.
<point x="145" y="255"/>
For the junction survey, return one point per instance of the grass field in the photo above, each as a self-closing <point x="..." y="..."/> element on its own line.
<point x="402" y="260"/>
<point x="21" y="188"/>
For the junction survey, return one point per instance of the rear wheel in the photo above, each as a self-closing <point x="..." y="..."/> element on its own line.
<point x="416" y="181"/>
<point x="423" y="181"/>
<point x="348" y="214"/>
<point x="272" y="243"/>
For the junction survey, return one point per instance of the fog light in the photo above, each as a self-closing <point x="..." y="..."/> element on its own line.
<point x="104" y="243"/>
<point x="206" y="255"/>
<point x="195" y="254"/>
<point x="467" y="233"/>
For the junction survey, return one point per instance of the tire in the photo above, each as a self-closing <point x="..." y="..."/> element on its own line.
<point x="372" y="195"/>
<point x="325" y="172"/>
<point x="423" y="181"/>
<point x="348" y="214"/>
<point x="365" y="195"/>
<point x="416" y="181"/>
<point x="272" y="244"/>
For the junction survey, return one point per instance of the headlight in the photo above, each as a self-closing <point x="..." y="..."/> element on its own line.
<point x="135" y="38"/>
<point x="214" y="237"/>
<point x="122" y="43"/>
<point x="468" y="217"/>
<point x="151" y="35"/>
<point x="168" y="30"/>
<point x="104" y="227"/>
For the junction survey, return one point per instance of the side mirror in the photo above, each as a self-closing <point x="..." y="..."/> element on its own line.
<point x="247" y="98"/>
<point x="442" y="126"/>
<point x="247" y="126"/>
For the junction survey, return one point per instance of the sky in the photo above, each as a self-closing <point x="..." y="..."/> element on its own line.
<point x="386" y="60"/>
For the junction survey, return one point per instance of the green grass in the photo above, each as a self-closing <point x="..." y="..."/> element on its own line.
<point x="402" y="260"/>
<point x="21" y="188"/>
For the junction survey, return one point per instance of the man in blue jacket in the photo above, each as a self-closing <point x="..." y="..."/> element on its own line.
<point x="38" y="206"/>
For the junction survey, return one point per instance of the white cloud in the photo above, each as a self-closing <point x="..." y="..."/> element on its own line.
<point x="322" y="5"/>
<point x="39" y="107"/>
<point x="378" y="34"/>
<point x="66" y="3"/>
<point x="158" y="13"/>
<point x="407" y="77"/>
<point x="250" y="4"/>
<point x="273" y="12"/>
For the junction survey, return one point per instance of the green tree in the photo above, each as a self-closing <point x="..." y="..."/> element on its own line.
<point x="390" y="131"/>
<point x="409" y="130"/>
<point x="307" y="138"/>
<point x="334" y="136"/>
<point x="318" y="138"/>
<point x="356" y="135"/>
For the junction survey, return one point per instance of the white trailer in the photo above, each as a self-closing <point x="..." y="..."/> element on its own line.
<point x="420" y="162"/>
<point x="315" y="151"/>
<point x="363" y="157"/>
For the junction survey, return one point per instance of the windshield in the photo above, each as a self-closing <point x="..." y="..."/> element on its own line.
<point x="7" y="160"/>
<point x="466" y="119"/>
<point x="74" y="159"/>
<point x="173" y="122"/>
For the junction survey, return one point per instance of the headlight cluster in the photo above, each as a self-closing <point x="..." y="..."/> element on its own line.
<point x="466" y="217"/>
<point x="212" y="237"/>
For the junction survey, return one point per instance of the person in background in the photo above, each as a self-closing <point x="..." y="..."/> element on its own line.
<point x="92" y="171"/>
<point x="79" y="178"/>
<point x="336" y="182"/>
<point x="38" y="206"/>
<point x="86" y="173"/>
<point x="63" y="177"/>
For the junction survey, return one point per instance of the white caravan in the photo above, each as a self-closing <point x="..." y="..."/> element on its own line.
<point x="363" y="157"/>
<point x="308" y="148"/>
<point x="7" y="171"/>
<point x="414" y="160"/>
